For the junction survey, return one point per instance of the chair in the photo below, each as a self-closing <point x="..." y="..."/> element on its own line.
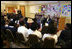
<point x="49" y="43"/>
<point x="20" y="38"/>
<point x="33" y="41"/>
<point x="64" y="44"/>
<point x="9" y="35"/>
<point x="3" y="35"/>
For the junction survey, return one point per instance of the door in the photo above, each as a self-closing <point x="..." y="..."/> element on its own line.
<point x="22" y="8"/>
<point x="61" y="23"/>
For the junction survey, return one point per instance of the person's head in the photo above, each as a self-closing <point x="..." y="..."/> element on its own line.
<point x="48" y="16"/>
<point x="2" y="17"/>
<point x="51" y="23"/>
<point x="33" y="26"/>
<point x="2" y="22"/>
<point x="21" y="19"/>
<point x="11" y="23"/>
<point x="7" y="22"/>
<point x="44" y="29"/>
<point x="22" y="23"/>
<point x="52" y="30"/>
<point x="68" y="26"/>
<point x="26" y="18"/>
<point x="19" y="11"/>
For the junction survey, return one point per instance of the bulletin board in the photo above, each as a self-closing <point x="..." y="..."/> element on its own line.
<point x="53" y="9"/>
<point x="47" y="9"/>
<point x="66" y="10"/>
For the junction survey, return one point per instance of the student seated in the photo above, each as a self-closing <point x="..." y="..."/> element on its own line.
<point x="12" y="28"/>
<point x="34" y="30"/>
<point x="65" y="36"/>
<point x="25" y="20"/>
<point x="2" y="23"/>
<point x="29" y="21"/>
<point x="35" y="21"/>
<point x="22" y="29"/>
<point x="50" y="31"/>
<point x="44" y="29"/>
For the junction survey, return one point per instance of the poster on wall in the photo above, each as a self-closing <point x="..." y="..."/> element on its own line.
<point x="53" y="9"/>
<point x="66" y="10"/>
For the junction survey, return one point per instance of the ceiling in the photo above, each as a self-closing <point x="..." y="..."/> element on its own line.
<point x="29" y="2"/>
<point x="26" y="2"/>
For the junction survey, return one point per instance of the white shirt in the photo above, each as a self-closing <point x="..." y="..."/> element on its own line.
<point x="47" y="19"/>
<point x="49" y="35"/>
<point x="30" y="32"/>
<point x="37" y="33"/>
<point x="6" y="25"/>
<point x="11" y="19"/>
<point x="17" y="21"/>
<point x="9" y="26"/>
<point x="24" y="31"/>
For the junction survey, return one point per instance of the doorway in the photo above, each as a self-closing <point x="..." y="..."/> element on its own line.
<point x="22" y="8"/>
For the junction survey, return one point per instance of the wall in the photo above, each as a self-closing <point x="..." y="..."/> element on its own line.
<point x="68" y="20"/>
<point x="2" y="7"/>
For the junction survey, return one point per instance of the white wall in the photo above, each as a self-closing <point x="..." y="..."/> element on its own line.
<point x="2" y="7"/>
<point x="14" y="2"/>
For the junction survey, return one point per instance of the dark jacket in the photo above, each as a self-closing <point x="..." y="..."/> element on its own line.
<point x="45" y="21"/>
<point x="65" y="39"/>
<point x="65" y="35"/>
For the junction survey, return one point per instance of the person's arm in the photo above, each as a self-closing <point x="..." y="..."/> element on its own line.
<point x="59" y="32"/>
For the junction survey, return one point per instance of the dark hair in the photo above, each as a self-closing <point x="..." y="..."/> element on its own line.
<point x="50" y="29"/>
<point x="35" y="21"/>
<point x="26" y="19"/>
<point x="44" y="29"/>
<point x="22" y="23"/>
<point x="33" y="26"/>
<point x="2" y="22"/>
<point x="49" y="42"/>
<point x="2" y="17"/>
<point x="38" y="26"/>
<point x="11" y="23"/>
<point x="51" y="22"/>
<point x="68" y="25"/>
<point x="19" y="11"/>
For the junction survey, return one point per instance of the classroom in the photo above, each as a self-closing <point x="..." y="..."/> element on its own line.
<point x="36" y="24"/>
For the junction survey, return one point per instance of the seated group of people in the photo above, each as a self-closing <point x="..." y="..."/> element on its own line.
<point x="48" y="30"/>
